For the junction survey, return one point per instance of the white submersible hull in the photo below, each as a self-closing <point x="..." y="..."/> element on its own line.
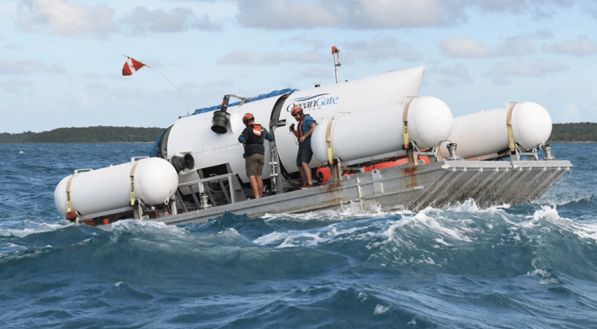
<point x="377" y="145"/>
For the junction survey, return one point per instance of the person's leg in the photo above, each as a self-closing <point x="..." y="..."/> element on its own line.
<point x="304" y="176"/>
<point x="306" y="156"/>
<point x="260" y="185"/>
<point x="299" y="164"/>
<point x="307" y="171"/>
<point x="253" y="171"/>
<point x="255" y="186"/>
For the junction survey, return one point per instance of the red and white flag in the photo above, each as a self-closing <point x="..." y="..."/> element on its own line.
<point x="131" y="66"/>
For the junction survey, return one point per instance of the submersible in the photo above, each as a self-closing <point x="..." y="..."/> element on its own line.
<point x="377" y="144"/>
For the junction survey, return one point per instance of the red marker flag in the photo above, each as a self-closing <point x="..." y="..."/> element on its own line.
<point x="131" y="66"/>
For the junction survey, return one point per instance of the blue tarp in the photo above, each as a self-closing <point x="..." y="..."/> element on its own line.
<point x="154" y="150"/>
<point x="260" y="97"/>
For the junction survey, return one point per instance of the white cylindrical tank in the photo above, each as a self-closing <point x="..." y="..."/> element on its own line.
<point x="109" y="188"/>
<point x="378" y="131"/>
<point x="486" y="132"/>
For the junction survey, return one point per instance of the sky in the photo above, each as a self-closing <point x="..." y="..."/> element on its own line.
<point x="61" y="60"/>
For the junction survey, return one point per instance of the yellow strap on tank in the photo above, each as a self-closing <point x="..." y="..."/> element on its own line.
<point x="133" y="183"/>
<point x="405" y="122"/>
<point x="328" y="139"/>
<point x="512" y="143"/>
<point x="69" y="202"/>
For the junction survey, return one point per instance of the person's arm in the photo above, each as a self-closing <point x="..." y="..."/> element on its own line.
<point x="243" y="136"/>
<point x="268" y="136"/>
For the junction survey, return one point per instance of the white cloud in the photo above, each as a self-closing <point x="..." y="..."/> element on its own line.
<point x="29" y="66"/>
<point x="142" y="20"/>
<point x="590" y="8"/>
<point x="16" y="85"/>
<point x="271" y="58"/>
<point x="64" y="17"/>
<point x="380" y="48"/>
<point x="284" y="14"/>
<point x="514" y="47"/>
<point x="541" y="34"/>
<point x="380" y="14"/>
<point x="501" y="81"/>
<point x="538" y="8"/>
<point x="399" y="13"/>
<point x="72" y="19"/>
<point x="465" y="47"/>
<point x="580" y="47"/>
<point x="459" y="72"/>
<point x="313" y="43"/>
<point x="318" y="72"/>
<point x="521" y="68"/>
<point x="572" y="113"/>
<point x="356" y="14"/>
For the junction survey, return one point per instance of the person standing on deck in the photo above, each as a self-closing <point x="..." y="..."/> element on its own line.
<point x="252" y="138"/>
<point x="305" y="130"/>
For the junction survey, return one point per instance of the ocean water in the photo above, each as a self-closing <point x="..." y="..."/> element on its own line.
<point x="528" y="266"/>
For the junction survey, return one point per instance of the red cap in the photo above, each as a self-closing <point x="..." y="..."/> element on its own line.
<point x="248" y="117"/>
<point x="295" y="110"/>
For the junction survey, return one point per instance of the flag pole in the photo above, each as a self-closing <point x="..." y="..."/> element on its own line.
<point x="165" y="77"/>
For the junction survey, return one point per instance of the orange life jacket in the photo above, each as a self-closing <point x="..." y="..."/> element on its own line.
<point x="257" y="130"/>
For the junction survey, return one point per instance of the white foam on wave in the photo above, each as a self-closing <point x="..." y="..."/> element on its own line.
<point x="586" y="230"/>
<point x="34" y="227"/>
<point x="380" y="309"/>
<point x="429" y="219"/>
<point x="546" y="278"/>
<point x="562" y="200"/>
<point x="293" y="239"/>
<point x="134" y="225"/>
<point x="470" y="206"/>
<point x="347" y="211"/>
<point x="314" y="237"/>
<point x="549" y="213"/>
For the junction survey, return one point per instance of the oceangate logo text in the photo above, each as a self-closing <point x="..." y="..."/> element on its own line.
<point x="313" y="102"/>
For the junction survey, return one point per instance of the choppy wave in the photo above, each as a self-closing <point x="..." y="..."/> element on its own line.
<point x="528" y="266"/>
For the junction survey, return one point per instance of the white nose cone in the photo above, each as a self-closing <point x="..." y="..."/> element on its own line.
<point x="531" y="124"/>
<point x="430" y="121"/>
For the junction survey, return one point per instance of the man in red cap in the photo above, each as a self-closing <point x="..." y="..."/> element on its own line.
<point x="252" y="138"/>
<point x="303" y="134"/>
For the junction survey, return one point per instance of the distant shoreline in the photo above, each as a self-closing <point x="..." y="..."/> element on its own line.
<point x="93" y="135"/>
<point x="77" y="142"/>
<point x="581" y="133"/>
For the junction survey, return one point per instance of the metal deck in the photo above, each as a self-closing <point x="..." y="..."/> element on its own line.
<point x="436" y="184"/>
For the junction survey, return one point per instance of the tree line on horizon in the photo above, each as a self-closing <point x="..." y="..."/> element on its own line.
<point x="99" y="134"/>
<point x="561" y="132"/>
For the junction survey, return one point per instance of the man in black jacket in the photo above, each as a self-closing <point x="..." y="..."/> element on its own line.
<point x="252" y="138"/>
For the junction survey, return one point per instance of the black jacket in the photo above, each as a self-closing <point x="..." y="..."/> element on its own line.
<point x="253" y="142"/>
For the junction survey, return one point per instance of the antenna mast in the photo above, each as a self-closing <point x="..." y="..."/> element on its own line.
<point x="336" y="54"/>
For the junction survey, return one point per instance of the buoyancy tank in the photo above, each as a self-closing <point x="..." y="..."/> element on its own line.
<point x="95" y="191"/>
<point x="379" y="131"/>
<point x="486" y="132"/>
